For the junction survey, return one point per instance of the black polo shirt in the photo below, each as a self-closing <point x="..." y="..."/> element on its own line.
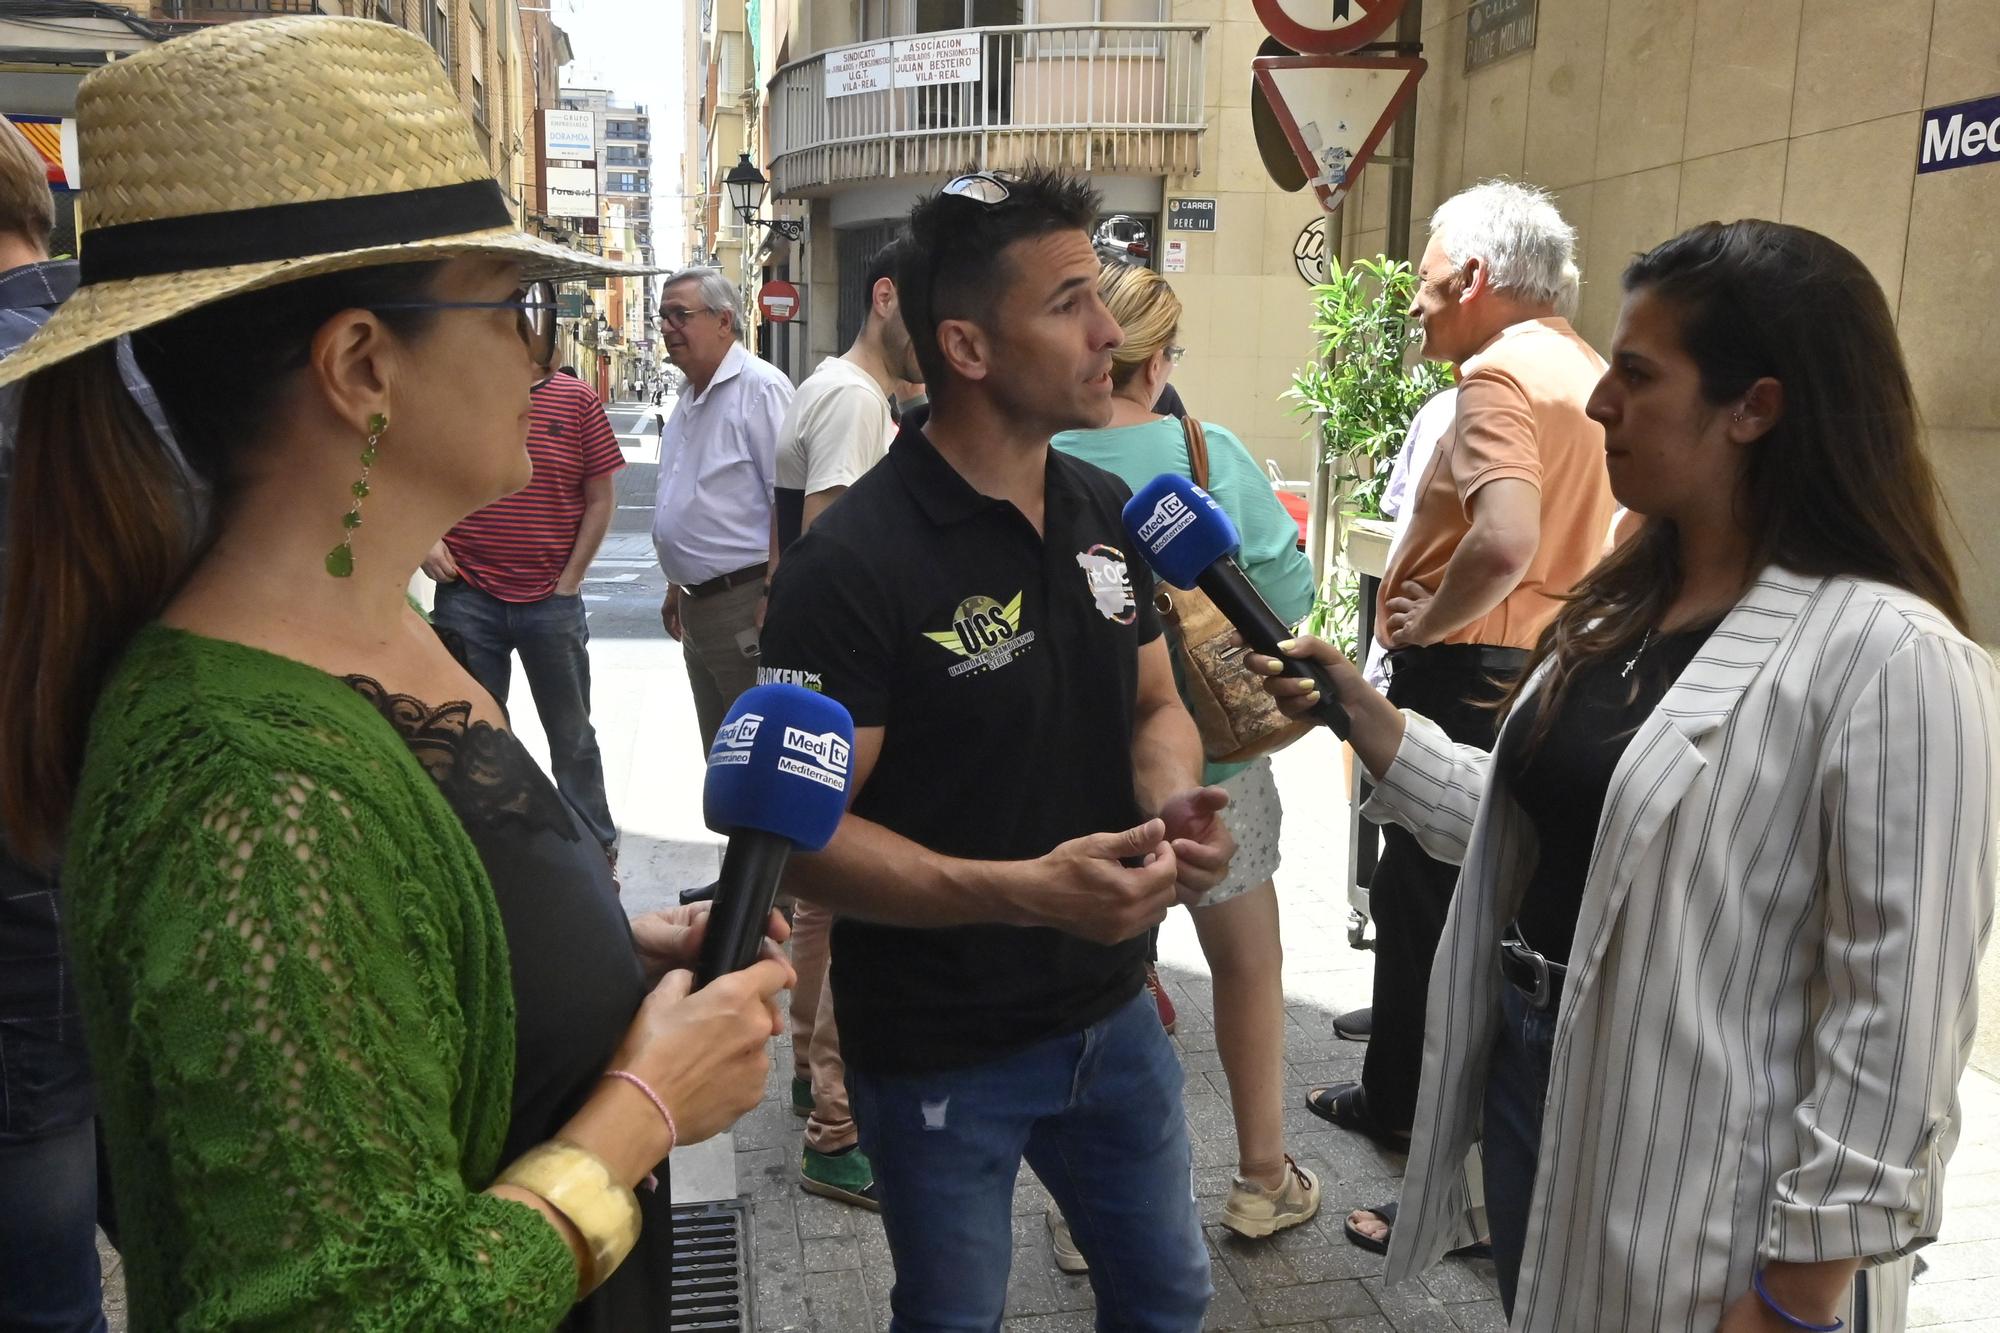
<point x="1003" y="666"/>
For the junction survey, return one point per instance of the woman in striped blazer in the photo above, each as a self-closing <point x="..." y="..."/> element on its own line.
<point x="1709" y="977"/>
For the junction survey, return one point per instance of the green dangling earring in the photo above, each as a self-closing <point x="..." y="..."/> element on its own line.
<point x="340" y="560"/>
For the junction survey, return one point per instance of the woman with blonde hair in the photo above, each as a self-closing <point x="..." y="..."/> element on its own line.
<point x="1237" y="921"/>
<point x="376" y="1045"/>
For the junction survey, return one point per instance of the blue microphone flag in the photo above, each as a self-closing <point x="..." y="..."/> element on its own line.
<point x="1180" y="527"/>
<point x="781" y="764"/>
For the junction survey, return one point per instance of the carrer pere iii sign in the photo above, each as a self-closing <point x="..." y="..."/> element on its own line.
<point x="1960" y="136"/>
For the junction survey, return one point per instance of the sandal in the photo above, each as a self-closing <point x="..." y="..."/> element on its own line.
<point x="1346" y="1105"/>
<point x="1361" y="1240"/>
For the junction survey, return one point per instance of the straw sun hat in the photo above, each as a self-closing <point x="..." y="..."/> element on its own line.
<point x="260" y="152"/>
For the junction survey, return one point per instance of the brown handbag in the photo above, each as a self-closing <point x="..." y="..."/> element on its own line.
<point x="1236" y="718"/>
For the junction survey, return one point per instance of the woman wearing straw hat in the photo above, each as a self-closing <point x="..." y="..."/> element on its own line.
<point x="377" y="1046"/>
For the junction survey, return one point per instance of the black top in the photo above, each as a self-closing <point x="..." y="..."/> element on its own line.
<point x="1003" y="667"/>
<point x="1562" y="784"/>
<point x="576" y="980"/>
<point x="1169" y="403"/>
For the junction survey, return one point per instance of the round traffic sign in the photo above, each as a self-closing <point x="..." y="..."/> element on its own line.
<point x="1327" y="27"/>
<point x="779" y="301"/>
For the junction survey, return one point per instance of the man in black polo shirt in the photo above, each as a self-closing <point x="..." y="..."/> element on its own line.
<point x="1028" y="787"/>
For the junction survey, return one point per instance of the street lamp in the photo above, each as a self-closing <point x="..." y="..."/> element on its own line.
<point x="746" y="195"/>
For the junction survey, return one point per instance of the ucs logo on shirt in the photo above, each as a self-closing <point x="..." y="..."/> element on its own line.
<point x="985" y="634"/>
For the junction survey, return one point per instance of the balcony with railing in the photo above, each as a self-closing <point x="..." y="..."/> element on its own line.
<point x="235" y="9"/>
<point x="1121" y="98"/>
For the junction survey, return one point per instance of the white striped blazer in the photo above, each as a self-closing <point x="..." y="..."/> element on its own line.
<point x="1772" y="988"/>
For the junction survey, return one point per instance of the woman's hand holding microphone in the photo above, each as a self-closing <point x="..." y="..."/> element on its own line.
<point x="1377" y="725"/>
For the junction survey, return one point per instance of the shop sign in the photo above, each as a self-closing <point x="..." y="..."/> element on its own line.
<point x="571" y="192"/>
<point x="569" y="136"/>
<point x="859" y="69"/>
<point x="1190" y="215"/>
<point x="1497" y="29"/>
<point x="945" y="57"/>
<point x="1962" y="135"/>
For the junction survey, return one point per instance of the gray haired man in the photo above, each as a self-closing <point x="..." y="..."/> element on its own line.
<point x="718" y="471"/>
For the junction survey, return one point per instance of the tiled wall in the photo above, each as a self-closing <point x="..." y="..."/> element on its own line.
<point x="1647" y="116"/>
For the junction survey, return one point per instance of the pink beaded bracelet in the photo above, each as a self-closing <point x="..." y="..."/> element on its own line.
<point x="673" y="1131"/>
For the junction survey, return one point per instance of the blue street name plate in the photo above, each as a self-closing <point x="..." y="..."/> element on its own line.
<point x="1963" y="135"/>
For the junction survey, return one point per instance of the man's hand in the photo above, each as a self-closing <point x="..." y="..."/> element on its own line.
<point x="670" y="612"/>
<point x="1203" y="845"/>
<point x="1406" y="617"/>
<point x="1085" y="888"/>
<point x="439" y="564"/>
<point x="671" y="938"/>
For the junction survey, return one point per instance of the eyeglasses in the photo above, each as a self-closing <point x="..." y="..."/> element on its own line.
<point x="534" y="307"/>
<point x="982" y="187"/>
<point x="676" y="317"/>
<point x="1174" y="355"/>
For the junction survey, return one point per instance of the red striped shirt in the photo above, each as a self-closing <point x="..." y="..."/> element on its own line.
<point x="515" y="549"/>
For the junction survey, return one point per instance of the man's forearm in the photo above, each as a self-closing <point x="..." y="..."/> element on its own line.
<point x="589" y="536"/>
<point x="1480" y="574"/>
<point x="873" y="874"/>
<point x="1166" y="755"/>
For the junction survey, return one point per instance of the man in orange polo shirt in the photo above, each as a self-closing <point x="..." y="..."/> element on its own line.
<point x="1511" y="510"/>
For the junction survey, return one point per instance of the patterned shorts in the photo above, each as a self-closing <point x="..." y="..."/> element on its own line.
<point x="1254" y="816"/>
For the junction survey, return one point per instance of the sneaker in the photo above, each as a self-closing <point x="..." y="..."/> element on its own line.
<point x="845" y="1175"/>
<point x="1255" y="1212"/>
<point x="1068" y="1258"/>
<point x="1161" y="1001"/>
<point x="802" y="1096"/>
<point x="1355" y="1025"/>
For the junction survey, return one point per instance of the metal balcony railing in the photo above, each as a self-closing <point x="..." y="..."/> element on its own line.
<point x="1093" y="96"/>
<point x="197" y="9"/>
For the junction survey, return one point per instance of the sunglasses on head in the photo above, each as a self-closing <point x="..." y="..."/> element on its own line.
<point x="982" y="187"/>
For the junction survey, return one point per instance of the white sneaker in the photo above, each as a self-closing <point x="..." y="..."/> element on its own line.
<point x="1255" y="1212"/>
<point x="1068" y="1258"/>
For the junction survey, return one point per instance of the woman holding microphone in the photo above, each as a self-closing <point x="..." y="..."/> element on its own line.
<point x="1708" y="980"/>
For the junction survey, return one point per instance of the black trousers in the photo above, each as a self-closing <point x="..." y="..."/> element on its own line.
<point x="1454" y="685"/>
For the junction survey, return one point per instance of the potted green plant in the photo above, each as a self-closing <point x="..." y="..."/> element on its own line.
<point x="1362" y="391"/>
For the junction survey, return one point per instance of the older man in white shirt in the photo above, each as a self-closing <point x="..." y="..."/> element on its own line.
<point x="718" y="469"/>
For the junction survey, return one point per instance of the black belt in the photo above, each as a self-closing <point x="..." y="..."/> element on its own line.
<point x="1539" y="979"/>
<point x="724" y="582"/>
<point x="1486" y="657"/>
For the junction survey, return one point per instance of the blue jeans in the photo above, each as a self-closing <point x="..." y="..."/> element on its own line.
<point x="48" y="1232"/>
<point x="1098" y="1116"/>
<point x="1517" y="1086"/>
<point x="552" y="637"/>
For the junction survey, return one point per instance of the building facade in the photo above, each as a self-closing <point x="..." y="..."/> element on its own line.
<point x="621" y="338"/>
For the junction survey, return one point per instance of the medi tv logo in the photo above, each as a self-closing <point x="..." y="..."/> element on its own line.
<point x="733" y="740"/>
<point x="817" y="757"/>
<point x="1168" y="520"/>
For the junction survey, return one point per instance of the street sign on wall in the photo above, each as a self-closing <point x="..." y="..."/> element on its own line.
<point x="1327" y="27"/>
<point x="1496" y="29"/>
<point x="1335" y="110"/>
<point x="1190" y="215"/>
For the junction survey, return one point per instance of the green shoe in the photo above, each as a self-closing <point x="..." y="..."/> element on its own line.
<point x="802" y="1096"/>
<point x="845" y="1176"/>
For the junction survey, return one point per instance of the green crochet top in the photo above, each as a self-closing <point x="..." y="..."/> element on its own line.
<point x="297" y="991"/>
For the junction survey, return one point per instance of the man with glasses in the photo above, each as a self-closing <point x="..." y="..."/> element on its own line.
<point x="1028" y="786"/>
<point x="718" y="474"/>
<point x="510" y="577"/>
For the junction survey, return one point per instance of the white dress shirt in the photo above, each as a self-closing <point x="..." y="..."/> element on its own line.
<point x="712" y="512"/>
<point x="1413" y="460"/>
<point x="1772" y="990"/>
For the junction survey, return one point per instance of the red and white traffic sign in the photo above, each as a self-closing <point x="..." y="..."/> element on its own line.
<point x="779" y="301"/>
<point x="1327" y="27"/>
<point x="1335" y="109"/>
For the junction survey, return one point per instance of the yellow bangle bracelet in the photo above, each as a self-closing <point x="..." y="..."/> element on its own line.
<point x="576" y="1183"/>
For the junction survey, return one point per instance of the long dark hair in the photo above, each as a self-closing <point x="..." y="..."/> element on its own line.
<point x="104" y="522"/>
<point x="1840" y="485"/>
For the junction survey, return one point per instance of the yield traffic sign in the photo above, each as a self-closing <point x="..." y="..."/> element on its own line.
<point x="1334" y="110"/>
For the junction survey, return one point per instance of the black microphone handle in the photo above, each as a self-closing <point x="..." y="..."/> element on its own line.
<point x="1242" y="606"/>
<point x="753" y="863"/>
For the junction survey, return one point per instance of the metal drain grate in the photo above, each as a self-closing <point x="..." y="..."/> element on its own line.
<point x="712" y="1268"/>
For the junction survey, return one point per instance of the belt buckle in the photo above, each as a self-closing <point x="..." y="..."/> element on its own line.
<point x="1538" y="966"/>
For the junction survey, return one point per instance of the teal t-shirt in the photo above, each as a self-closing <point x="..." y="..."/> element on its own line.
<point x="1270" y="555"/>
